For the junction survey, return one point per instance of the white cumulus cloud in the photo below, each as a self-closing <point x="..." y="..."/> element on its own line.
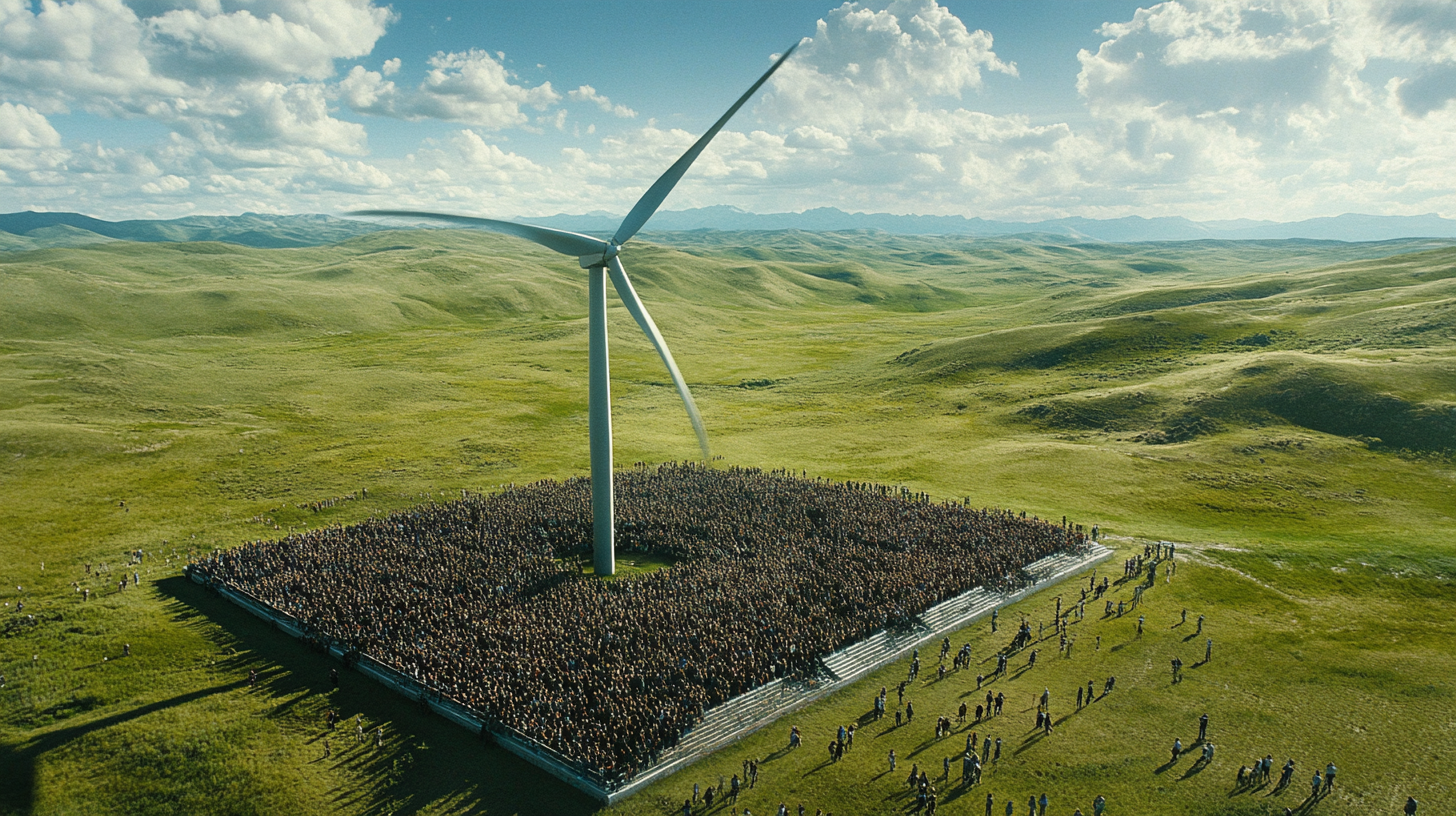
<point x="472" y="88"/>
<point x="587" y="93"/>
<point x="25" y="128"/>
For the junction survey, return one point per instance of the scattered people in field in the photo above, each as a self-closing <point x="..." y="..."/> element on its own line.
<point x="469" y="598"/>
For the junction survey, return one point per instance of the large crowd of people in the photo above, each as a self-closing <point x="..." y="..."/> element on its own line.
<point x="481" y="599"/>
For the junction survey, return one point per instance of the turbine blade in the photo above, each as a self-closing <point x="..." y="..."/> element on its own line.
<point x="639" y="312"/>
<point x="567" y="243"/>
<point x="653" y="198"/>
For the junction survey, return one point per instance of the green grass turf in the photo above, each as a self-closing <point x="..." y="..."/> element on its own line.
<point x="1284" y="407"/>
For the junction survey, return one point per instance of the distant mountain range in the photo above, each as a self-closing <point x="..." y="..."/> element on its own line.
<point x="33" y="230"/>
<point x="1349" y="227"/>
<point x="40" y="230"/>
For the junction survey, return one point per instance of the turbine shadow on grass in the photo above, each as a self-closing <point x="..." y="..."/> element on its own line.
<point x="18" y="793"/>
<point x="425" y="760"/>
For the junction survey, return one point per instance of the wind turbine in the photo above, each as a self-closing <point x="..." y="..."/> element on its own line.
<point x="601" y="258"/>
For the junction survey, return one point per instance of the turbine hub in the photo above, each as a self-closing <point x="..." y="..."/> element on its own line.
<point x="589" y="261"/>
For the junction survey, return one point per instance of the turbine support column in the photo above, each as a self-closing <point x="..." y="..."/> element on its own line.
<point x="599" y="420"/>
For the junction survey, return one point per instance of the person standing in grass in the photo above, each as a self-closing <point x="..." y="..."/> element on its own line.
<point x="1315" y="784"/>
<point x="892" y="760"/>
<point x="1287" y="774"/>
<point x="1330" y="777"/>
<point x="1203" y="728"/>
<point x="991" y="801"/>
<point x="1043" y="803"/>
<point x="1098" y="805"/>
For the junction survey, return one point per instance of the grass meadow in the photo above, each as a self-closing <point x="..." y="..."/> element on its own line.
<point x="1285" y="410"/>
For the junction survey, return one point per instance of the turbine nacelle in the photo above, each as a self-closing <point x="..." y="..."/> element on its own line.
<point x="589" y="261"/>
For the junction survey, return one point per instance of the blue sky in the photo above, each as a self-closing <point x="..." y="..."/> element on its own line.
<point x="1210" y="109"/>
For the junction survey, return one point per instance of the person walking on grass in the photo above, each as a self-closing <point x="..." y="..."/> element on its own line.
<point x="1286" y="775"/>
<point x="1315" y="784"/>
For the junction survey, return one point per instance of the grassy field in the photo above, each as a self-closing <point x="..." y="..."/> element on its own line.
<point x="1287" y="409"/>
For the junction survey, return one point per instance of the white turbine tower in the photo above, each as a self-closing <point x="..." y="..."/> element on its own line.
<point x="600" y="259"/>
